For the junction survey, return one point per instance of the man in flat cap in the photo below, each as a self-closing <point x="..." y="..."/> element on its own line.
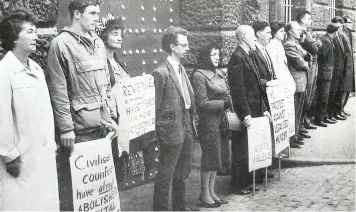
<point x="326" y="66"/>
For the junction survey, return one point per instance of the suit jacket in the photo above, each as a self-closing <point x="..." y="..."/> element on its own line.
<point x="262" y="66"/>
<point x="309" y="45"/>
<point x="326" y="58"/>
<point x="297" y="66"/>
<point x="339" y="64"/>
<point x="245" y="85"/>
<point x="349" y="74"/>
<point x="170" y="105"/>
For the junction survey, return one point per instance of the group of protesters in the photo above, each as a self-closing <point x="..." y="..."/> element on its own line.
<point x="71" y="102"/>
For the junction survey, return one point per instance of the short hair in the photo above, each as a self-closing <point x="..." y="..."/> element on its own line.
<point x="170" y="37"/>
<point x="259" y="26"/>
<point x="289" y="26"/>
<point x="241" y="31"/>
<point x="347" y="19"/>
<point x="80" y="5"/>
<point x="332" y="28"/>
<point x="113" y="24"/>
<point x="276" y="26"/>
<point x="204" y="53"/>
<point x="11" y="26"/>
<point x="301" y="15"/>
<point x="337" y="19"/>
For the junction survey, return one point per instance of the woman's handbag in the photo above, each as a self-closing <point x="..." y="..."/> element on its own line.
<point x="232" y="120"/>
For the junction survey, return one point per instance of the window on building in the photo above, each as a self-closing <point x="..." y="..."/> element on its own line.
<point x="332" y="8"/>
<point x="288" y="10"/>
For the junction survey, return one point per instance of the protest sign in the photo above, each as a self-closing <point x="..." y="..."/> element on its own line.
<point x="259" y="144"/>
<point x="139" y="98"/>
<point x="290" y="111"/>
<point x="277" y="96"/>
<point x="93" y="177"/>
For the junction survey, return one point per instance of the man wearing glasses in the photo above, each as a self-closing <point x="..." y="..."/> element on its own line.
<point x="174" y="122"/>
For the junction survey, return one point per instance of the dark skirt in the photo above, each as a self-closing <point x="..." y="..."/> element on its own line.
<point x="210" y="144"/>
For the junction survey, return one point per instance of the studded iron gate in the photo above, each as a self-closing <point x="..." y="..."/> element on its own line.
<point x="145" y="21"/>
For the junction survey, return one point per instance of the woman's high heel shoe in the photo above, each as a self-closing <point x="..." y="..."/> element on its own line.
<point x="209" y="205"/>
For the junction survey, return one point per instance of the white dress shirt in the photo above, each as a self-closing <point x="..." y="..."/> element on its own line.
<point x="175" y="66"/>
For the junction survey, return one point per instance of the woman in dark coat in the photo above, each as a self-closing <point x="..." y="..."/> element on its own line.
<point x="212" y="99"/>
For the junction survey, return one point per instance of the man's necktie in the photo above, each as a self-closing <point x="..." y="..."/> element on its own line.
<point x="185" y="87"/>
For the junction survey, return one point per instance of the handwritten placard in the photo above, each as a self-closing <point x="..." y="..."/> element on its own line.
<point x="277" y="96"/>
<point x="290" y="111"/>
<point x="93" y="177"/>
<point x="139" y="98"/>
<point x="259" y="144"/>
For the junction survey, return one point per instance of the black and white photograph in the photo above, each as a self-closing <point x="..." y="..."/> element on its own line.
<point x="177" y="105"/>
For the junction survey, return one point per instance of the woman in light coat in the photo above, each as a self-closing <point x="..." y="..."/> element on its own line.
<point x="28" y="174"/>
<point x="278" y="57"/>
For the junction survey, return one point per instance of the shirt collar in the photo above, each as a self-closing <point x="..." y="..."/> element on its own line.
<point x="17" y="66"/>
<point x="260" y="47"/>
<point x="173" y="62"/>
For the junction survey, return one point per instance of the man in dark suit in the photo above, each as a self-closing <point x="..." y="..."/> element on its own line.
<point x="174" y="122"/>
<point x="261" y="57"/>
<point x="247" y="96"/>
<point x="347" y="81"/>
<point x="335" y="96"/>
<point x="298" y="67"/>
<point x="326" y="66"/>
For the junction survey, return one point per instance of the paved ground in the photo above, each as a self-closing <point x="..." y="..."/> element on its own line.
<point x="325" y="188"/>
<point x="336" y="141"/>
<point x="330" y="188"/>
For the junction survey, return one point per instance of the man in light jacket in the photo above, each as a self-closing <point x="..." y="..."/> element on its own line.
<point x="298" y="66"/>
<point x="79" y="85"/>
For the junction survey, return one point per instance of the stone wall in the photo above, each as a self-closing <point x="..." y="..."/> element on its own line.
<point x="47" y="13"/>
<point x="216" y="21"/>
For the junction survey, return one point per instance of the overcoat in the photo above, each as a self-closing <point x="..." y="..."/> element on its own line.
<point x="27" y="130"/>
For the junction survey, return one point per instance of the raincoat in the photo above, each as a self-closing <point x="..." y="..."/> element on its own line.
<point x="27" y="130"/>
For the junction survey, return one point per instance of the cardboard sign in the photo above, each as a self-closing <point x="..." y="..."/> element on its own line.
<point x="93" y="177"/>
<point x="277" y="96"/>
<point x="290" y="111"/>
<point x="139" y="97"/>
<point x="259" y="144"/>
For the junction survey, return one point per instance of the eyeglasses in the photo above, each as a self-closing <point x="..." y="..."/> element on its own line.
<point x="185" y="45"/>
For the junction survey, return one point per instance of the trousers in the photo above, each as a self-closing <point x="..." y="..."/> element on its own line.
<point x="173" y="169"/>
<point x="323" y="91"/>
<point x="63" y="169"/>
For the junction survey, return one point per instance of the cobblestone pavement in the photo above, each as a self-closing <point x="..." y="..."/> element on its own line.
<point x="325" y="188"/>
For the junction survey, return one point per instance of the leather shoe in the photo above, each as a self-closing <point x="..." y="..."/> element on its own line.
<point x="221" y="201"/>
<point x="304" y="135"/>
<point x="191" y="209"/>
<point x="320" y="124"/>
<point x="209" y="205"/>
<point x="269" y="175"/>
<point x="304" y="131"/>
<point x="345" y="113"/>
<point x="332" y="118"/>
<point x="294" y="145"/>
<point x="299" y="138"/>
<point x="299" y="142"/>
<point x="310" y="127"/>
<point x="328" y="121"/>
<point x="339" y="117"/>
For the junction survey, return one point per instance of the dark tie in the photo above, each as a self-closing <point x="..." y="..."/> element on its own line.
<point x="185" y="86"/>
